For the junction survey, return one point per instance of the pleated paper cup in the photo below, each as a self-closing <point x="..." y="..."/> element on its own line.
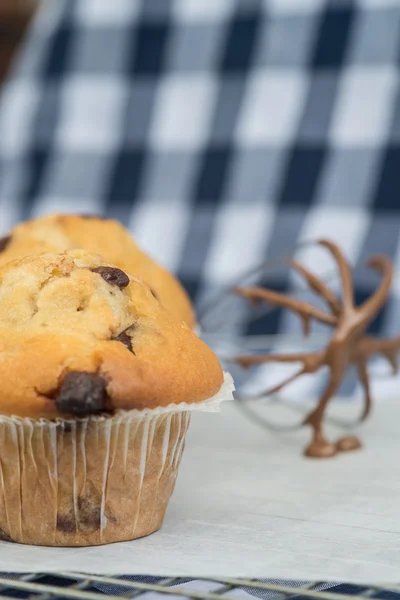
<point x="92" y="481"/>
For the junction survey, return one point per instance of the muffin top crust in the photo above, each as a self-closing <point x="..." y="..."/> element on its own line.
<point x="58" y="233"/>
<point x="81" y="336"/>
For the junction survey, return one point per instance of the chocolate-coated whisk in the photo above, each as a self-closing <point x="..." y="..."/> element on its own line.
<point x="349" y="344"/>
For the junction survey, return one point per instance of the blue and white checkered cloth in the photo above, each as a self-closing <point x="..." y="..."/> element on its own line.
<point x="221" y="132"/>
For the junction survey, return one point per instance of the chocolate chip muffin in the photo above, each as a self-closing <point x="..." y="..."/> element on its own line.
<point x="57" y="233"/>
<point x="98" y="383"/>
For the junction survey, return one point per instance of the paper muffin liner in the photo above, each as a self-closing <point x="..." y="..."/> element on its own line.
<point x="95" y="480"/>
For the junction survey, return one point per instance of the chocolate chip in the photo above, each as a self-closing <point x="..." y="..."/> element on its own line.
<point x="113" y="276"/>
<point x="81" y="394"/>
<point x="4" y="242"/>
<point x="89" y="510"/>
<point x="124" y="338"/>
<point x="88" y="516"/>
<point x="65" y="524"/>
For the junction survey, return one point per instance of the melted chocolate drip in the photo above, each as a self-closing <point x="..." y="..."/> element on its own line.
<point x="81" y="394"/>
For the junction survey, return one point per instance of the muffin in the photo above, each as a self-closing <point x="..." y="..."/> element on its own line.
<point x="57" y="233"/>
<point x="98" y="383"/>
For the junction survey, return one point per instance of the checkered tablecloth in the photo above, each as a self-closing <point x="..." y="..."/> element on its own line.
<point x="221" y="132"/>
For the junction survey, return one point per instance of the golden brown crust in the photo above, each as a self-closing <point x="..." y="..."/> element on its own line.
<point x="57" y="233"/>
<point x="57" y="316"/>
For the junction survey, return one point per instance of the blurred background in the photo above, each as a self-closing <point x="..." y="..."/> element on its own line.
<point x="221" y="132"/>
